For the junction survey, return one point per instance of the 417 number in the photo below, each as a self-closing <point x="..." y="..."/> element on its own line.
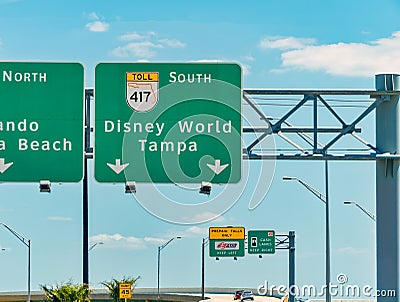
<point x="140" y="96"/>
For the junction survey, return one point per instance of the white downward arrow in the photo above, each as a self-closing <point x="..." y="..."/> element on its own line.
<point x="217" y="168"/>
<point x="117" y="168"/>
<point x="4" y="166"/>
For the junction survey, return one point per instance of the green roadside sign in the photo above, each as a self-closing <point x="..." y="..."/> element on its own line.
<point x="168" y="122"/>
<point x="227" y="248"/>
<point x="261" y="242"/>
<point x="41" y="121"/>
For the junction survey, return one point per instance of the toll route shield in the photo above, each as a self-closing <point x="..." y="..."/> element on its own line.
<point x="142" y="90"/>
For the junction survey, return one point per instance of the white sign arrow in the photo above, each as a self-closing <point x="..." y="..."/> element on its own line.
<point x="217" y="168"/>
<point x="4" y="166"/>
<point x="117" y="168"/>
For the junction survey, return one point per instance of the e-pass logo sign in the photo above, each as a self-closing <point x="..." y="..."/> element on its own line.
<point x="232" y="245"/>
<point x="142" y="90"/>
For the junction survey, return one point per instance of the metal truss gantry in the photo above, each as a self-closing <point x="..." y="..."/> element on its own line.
<point x="313" y="150"/>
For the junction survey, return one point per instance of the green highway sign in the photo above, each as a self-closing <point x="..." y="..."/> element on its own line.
<point x="41" y="121"/>
<point x="168" y="122"/>
<point x="261" y="242"/>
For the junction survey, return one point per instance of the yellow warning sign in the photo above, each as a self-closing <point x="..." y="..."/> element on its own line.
<point x="226" y="233"/>
<point x="125" y="291"/>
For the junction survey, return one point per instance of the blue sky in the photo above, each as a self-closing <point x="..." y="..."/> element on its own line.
<point x="297" y="44"/>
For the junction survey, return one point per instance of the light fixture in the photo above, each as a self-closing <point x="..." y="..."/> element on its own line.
<point x="205" y="188"/>
<point x="94" y="245"/>
<point x="44" y="186"/>
<point x="130" y="187"/>
<point x="368" y="213"/>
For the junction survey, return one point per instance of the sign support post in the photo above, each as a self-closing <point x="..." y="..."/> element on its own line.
<point x="85" y="197"/>
<point x="291" y="265"/>
<point x="287" y="242"/>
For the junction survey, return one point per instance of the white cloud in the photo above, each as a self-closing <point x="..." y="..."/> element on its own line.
<point x="207" y="61"/>
<point x="197" y="231"/>
<point x="97" y="26"/>
<point x="144" y="49"/>
<point x="285" y="43"/>
<point x="59" y="218"/>
<point x="191" y="232"/>
<point x="347" y="59"/>
<point x="119" y="241"/>
<point x="174" y="43"/>
<point x="93" y="16"/>
<point x="154" y="240"/>
<point x="245" y="69"/>
<point x="144" y="46"/>
<point x="131" y="37"/>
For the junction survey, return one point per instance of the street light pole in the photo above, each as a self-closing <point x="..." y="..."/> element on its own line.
<point x="203" y="245"/>
<point x="160" y="248"/>
<point x="158" y="272"/>
<point x="368" y="213"/>
<point x="325" y="200"/>
<point x="27" y="243"/>
<point x="327" y="237"/>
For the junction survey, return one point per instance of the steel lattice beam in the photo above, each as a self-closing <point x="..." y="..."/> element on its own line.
<point x="319" y="151"/>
